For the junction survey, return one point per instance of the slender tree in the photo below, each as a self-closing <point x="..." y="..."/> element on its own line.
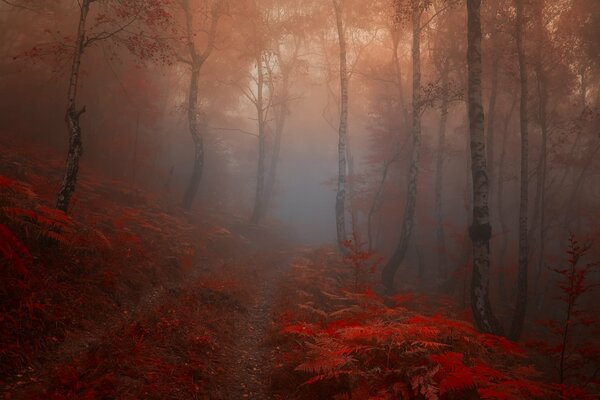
<point x="521" y="304"/>
<point x="261" y="109"/>
<point x="439" y="170"/>
<point x="480" y="230"/>
<point x="74" y="113"/>
<point x="127" y="14"/>
<point x="281" y="107"/>
<point x="539" y="215"/>
<point x="389" y="270"/>
<point x="196" y="60"/>
<point x="340" y="199"/>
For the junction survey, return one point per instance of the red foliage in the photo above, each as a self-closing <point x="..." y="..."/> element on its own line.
<point x="78" y="297"/>
<point x="576" y="361"/>
<point x="357" y="343"/>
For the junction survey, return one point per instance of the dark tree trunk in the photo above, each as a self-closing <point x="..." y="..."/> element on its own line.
<point x="389" y="270"/>
<point x="340" y="199"/>
<point x="197" y="138"/>
<point x="480" y="230"/>
<point x="352" y="189"/>
<point x="280" y="120"/>
<point x="398" y="70"/>
<point x="491" y="112"/>
<point x="439" y="177"/>
<point x="72" y="117"/>
<point x="500" y="199"/>
<point x="540" y="199"/>
<point x="522" y="281"/>
<point x="259" y="199"/>
<point x="196" y="62"/>
<point x="376" y="204"/>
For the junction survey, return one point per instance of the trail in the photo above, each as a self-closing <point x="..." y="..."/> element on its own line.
<point x="247" y="364"/>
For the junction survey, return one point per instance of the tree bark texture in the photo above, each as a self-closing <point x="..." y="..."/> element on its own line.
<point x="340" y="199"/>
<point x="72" y="116"/>
<point x="480" y="230"/>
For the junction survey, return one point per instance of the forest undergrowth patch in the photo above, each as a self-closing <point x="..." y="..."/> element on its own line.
<point x="338" y="339"/>
<point x="112" y="300"/>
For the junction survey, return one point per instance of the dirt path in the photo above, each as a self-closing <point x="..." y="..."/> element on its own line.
<point x="247" y="364"/>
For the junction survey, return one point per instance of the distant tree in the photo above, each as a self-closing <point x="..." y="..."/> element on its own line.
<point x="522" y="278"/>
<point x="212" y="12"/>
<point x="280" y="82"/>
<point x="415" y="10"/>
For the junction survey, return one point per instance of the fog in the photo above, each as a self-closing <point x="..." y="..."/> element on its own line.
<point x="270" y="71"/>
<point x="457" y="142"/>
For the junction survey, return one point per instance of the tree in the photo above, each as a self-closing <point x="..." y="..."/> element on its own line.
<point x="195" y="60"/>
<point x="389" y="271"/>
<point x="73" y="114"/>
<point x="340" y="199"/>
<point x="521" y="305"/>
<point x="119" y="17"/>
<point x="480" y="230"/>
<point x="281" y="105"/>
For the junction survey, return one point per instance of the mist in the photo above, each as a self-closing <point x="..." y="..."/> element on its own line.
<point x="338" y="190"/>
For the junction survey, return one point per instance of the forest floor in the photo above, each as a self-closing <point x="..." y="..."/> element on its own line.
<point x="248" y="362"/>
<point x="122" y="299"/>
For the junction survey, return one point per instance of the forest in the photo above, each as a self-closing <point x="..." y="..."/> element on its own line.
<point x="299" y="200"/>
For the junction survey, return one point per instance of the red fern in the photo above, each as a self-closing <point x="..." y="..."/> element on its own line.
<point x="14" y="251"/>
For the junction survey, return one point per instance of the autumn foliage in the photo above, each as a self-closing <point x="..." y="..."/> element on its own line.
<point x="102" y="304"/>
<point x="340" y="343"/>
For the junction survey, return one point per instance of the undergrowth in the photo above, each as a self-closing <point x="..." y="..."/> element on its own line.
<point x="345" y="344"/>
<point x="106" y="302"/>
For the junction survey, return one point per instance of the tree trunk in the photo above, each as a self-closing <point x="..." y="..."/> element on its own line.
<point x="480" y="230"/>
<point x="280" y="120"/>
<point x="192" y="114"/>
<point x="439" y="177"/>
<point x="500" y="199"/>
<point x="340" y="200"/>
<point x="389" y="271"/>
<point x="521" y="305"/>
<point x="196" y="62"/>
<point x="540" y="200"/>
<point x="491" y="113"/>
<point x="376" y="204"/>
<point x="398" y="69"/>
<point x="351" y="189"/>
<point x="72" y="116"/>
<point x="260" y="171"/>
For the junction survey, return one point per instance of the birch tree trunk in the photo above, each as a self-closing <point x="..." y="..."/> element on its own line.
<point x="480" y="230"/>
<point x="73" y="114"/>
<point x="389" y="270"/>
<point x="521" y="304"/>
<point x="340" y="200"/>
